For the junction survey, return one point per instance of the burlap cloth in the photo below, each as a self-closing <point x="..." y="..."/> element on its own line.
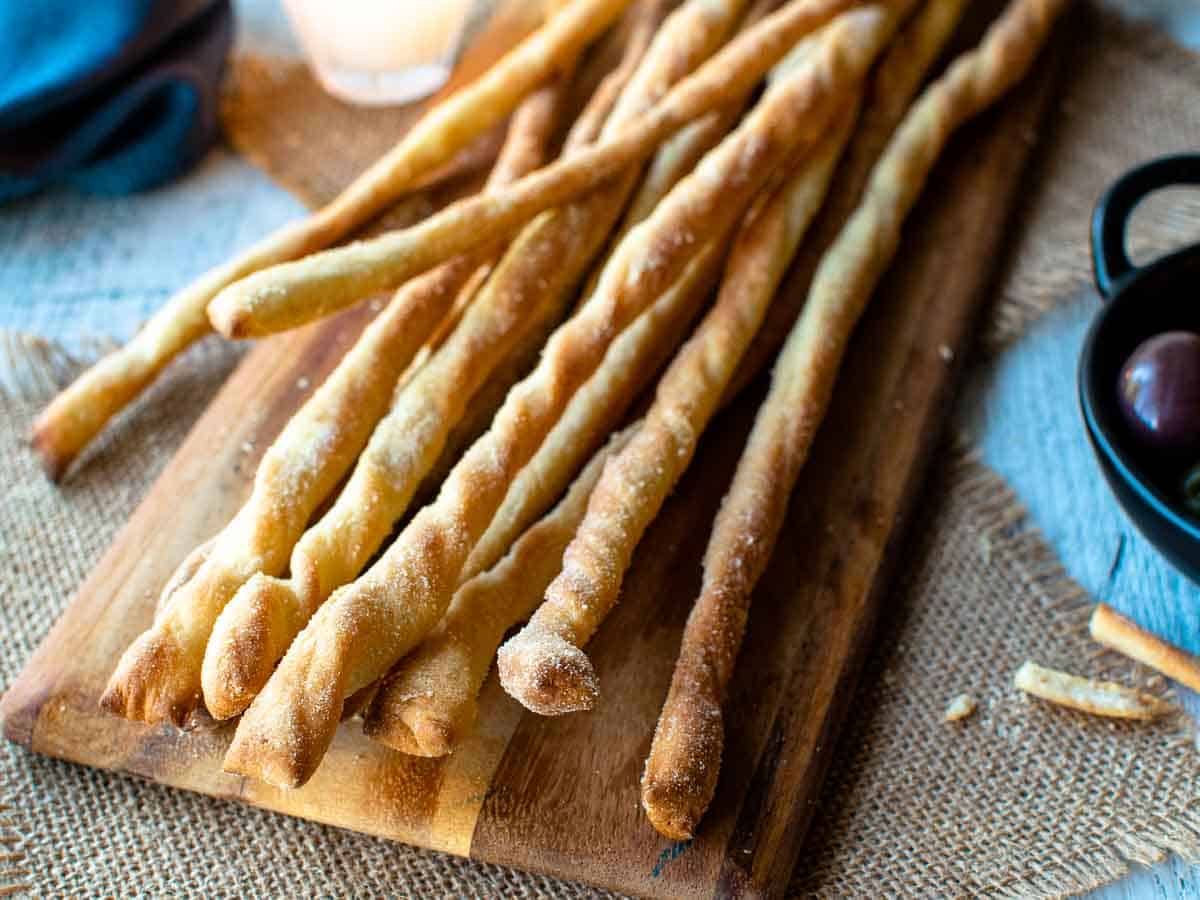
<point x="1020" y="800"/>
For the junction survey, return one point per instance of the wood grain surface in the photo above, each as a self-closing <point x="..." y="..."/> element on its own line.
<point x="561" y="795"/>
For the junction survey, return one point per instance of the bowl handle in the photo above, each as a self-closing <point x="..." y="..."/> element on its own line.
<point x="1110" y="261"/>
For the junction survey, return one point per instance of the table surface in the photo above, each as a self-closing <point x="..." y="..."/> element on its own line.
<point x="74" y="267"/>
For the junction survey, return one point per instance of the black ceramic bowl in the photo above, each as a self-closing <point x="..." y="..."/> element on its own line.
<point x="1140" y="303"/>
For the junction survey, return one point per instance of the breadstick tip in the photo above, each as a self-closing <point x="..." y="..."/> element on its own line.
<point x="681" y="771"/>
<point x="244" y="646"/>
<point x="283" y="750"/>
<point x="547" y="674"/>
<point x="428" y="703"/>
<point x="228" y="316"/>
<point x="414" y="730"/>
<point x="46" y="439"/>
<point x="153" y="682"/>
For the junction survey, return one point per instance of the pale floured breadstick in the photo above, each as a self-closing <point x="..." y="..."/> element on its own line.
<point x="1110" y="628"/>
<point x="79" y="412"/>
<point x="427" y="704"/>
<point x="1099" y="698"/>
<point x="290" y="294"/>
<point x="634" y="358"/>
<point x="540" y="269"/>
<point x="542" y="666"/>
<point x="159" y="676"/>
<point x="358" y="634"/>
<point x="681" y="771"/>
<point x="599" y="406"/>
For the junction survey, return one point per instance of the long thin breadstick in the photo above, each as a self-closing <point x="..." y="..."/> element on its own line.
<point x="681" y="771"/>
<point x="893" y="85"/>
<point x="540" y="269"/>
<point x="78" y="414"/>
<point x="159" y="676"/>
<point x="629" y="364"/>
<point x="365" y="627"/>
<point x="427" y="704"/>
<point x="288" y="295"/>
<point x="543" y="666"/>
<point x="1110" y="628"/>
<point x="599" y="406"/>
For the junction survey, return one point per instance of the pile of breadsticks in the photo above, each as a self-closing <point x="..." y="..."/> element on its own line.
<point x="623" y="247"/>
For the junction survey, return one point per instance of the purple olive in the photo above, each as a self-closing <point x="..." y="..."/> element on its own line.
<point x="1159" y="392"/>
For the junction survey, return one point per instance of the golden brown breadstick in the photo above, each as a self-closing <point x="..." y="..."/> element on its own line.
<point x="1099" y="698"/>
<point x="159" y="676"/>
<point x="366" y="626"/>
<point x="79" y="412"/>
<point x="543" y="666"/>
<point x="427" y="703"/>
<point x="893" y="85"/>
<point x="681" y="771"/>
<point x="538" y="272"/>
<point x="290" y="294"/>
<point x="1110" y="628"/>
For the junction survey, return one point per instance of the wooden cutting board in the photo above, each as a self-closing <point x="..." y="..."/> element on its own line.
<point x="561" y="795"/>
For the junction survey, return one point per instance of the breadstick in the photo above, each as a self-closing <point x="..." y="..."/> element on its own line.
<point x="366" y="626"/>
<point x="681" y="771"/>
<point x="1099" y="698"/>
<point x="599" y="406"/>
<point x="629" y="364"/>
<point x="159" y="676"/>
<point x="893" y="85"/>
<point x="646" y="18"/>
<point x="291" y="294"/>
<point x="427" y="704"/>
<point x="79" y="412"/>
<point x="539" y="271"/>
<point x="543" y="666"/>
<point x="1110" y="628"/>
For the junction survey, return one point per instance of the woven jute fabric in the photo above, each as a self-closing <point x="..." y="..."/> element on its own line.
<point x="1019" y="800"/>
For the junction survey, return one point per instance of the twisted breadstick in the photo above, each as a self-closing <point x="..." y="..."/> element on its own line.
<point x="635" y="357"/>
<point x="366" y="626"/>
<point x="536" y="667"/>
<point x="159" y="676"/>
<point x="290" y="294"/>
<point x="681" y="771"/>
<point x="538" y="273"/>
<point x="79" y="412"/>
<point x="892" y="87"/>
<point x="426" y="705"/>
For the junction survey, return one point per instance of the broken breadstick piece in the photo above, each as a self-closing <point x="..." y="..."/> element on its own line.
<point x="1100" y="698"/>
<point x="1113" y="630"/>
<point x="959" y="708"/>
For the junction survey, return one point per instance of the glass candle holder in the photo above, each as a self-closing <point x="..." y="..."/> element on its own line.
<point x="375" y="52"/>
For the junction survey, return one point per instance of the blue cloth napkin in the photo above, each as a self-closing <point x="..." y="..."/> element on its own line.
<point x="111" y="96"/>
